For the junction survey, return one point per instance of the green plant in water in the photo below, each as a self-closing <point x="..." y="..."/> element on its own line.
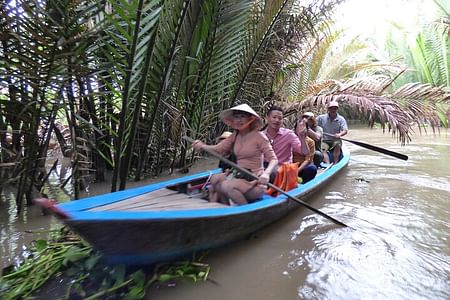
<point x="66" y="255"/>
<point x="46" y="259"/>
<point x="194" y="271"/>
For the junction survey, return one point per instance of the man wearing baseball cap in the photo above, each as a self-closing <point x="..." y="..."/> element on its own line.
<point x="334" y="127"/>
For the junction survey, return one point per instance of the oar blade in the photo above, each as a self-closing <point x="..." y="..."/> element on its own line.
<point x="374" y="148"/>
<point x="378" y="149"/>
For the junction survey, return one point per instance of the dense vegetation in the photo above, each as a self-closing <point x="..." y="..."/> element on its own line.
<point x="66" y="267"/>
<point x="118" y="83"/>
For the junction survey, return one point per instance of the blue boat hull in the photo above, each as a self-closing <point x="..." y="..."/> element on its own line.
<point x="147" y="237"/>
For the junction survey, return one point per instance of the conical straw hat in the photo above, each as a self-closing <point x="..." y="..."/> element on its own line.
<point x="226" y="115"/>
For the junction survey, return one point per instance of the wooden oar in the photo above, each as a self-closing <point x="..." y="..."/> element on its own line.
<point x="234" y="165"/>
<point x="374" y="148"/>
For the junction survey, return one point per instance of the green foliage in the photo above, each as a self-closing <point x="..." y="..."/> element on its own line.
<point x="425" y="50"/>
<point x="409" y="86"/>
<point x="66" y="256"/>
<point x="131" y="78"/>
<point x="194" y="271"/>
<point x="46" y="260"/>
<point x="426" y="54"/>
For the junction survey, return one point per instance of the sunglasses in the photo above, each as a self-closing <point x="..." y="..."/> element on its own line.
<point x="241" y="116"/>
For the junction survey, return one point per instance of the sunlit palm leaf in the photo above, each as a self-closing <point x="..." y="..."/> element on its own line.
<point x="162" y="64"/>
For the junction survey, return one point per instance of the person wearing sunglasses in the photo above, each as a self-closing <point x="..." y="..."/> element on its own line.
<point x="315" y="132"/>
<point x="251" y="147"/>
<point x="306" y="168"/>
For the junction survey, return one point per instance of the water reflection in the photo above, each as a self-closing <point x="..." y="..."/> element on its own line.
<point x="18" y="231"/>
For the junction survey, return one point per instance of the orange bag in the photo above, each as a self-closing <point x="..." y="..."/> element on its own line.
<point x="286" y="178"/>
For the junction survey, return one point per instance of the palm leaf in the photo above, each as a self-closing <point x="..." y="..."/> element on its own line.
<point x="162" y="64"/>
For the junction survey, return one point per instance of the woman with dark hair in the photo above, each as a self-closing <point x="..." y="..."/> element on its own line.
<point x="315" y="132"/>
<point x="250" y="147"/>
<point x="306" y="169"/>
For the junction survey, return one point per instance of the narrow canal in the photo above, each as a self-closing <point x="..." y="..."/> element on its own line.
<point x="398" y="247"/>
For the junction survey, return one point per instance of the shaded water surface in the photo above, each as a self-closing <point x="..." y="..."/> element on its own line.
<point x="397" y="246"/>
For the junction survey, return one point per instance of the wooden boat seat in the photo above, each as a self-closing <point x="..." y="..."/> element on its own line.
<point x="162" y="199"/>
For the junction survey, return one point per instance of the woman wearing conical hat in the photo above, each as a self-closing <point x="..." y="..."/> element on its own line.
<point x="251" y="147"/>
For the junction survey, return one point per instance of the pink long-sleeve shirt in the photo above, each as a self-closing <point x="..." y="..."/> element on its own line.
<point x="251" y="150"/>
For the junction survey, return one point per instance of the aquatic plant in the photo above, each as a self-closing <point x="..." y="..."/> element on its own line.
<point x="67" y="258"/>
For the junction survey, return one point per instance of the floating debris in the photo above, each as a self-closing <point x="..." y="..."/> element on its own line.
<point x="361" y="179"/>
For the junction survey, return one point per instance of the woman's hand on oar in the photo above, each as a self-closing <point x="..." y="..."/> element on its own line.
<point x="198" y="145"/>
<point x="373" y="148"/>
<point x="237" y="167"/>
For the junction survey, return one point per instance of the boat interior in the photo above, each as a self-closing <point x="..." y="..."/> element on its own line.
<point x="180" y="197"/>
<point x="184" y="196"/>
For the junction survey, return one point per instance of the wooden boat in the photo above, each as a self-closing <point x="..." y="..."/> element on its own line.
<point x="163" y="221"/>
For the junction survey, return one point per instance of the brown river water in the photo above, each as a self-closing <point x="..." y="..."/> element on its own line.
<point x="398" y="245"/>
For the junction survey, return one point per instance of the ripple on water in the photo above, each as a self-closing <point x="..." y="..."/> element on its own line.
<point x="440" y="183"/>
<point x="349" y="264"/>
<point x="395" y="251"/>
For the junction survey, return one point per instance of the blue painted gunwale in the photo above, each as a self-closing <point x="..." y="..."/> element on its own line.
<point x="77" y="210"/>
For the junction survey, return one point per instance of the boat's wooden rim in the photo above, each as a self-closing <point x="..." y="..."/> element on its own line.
<point x="86" y="209"/>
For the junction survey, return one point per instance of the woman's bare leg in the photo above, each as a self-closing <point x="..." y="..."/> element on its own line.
<point x="240" y="190"/>
<point x="255" y="193"/>
<point x="213" y="196"/>
<point x="214" y="192"/>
